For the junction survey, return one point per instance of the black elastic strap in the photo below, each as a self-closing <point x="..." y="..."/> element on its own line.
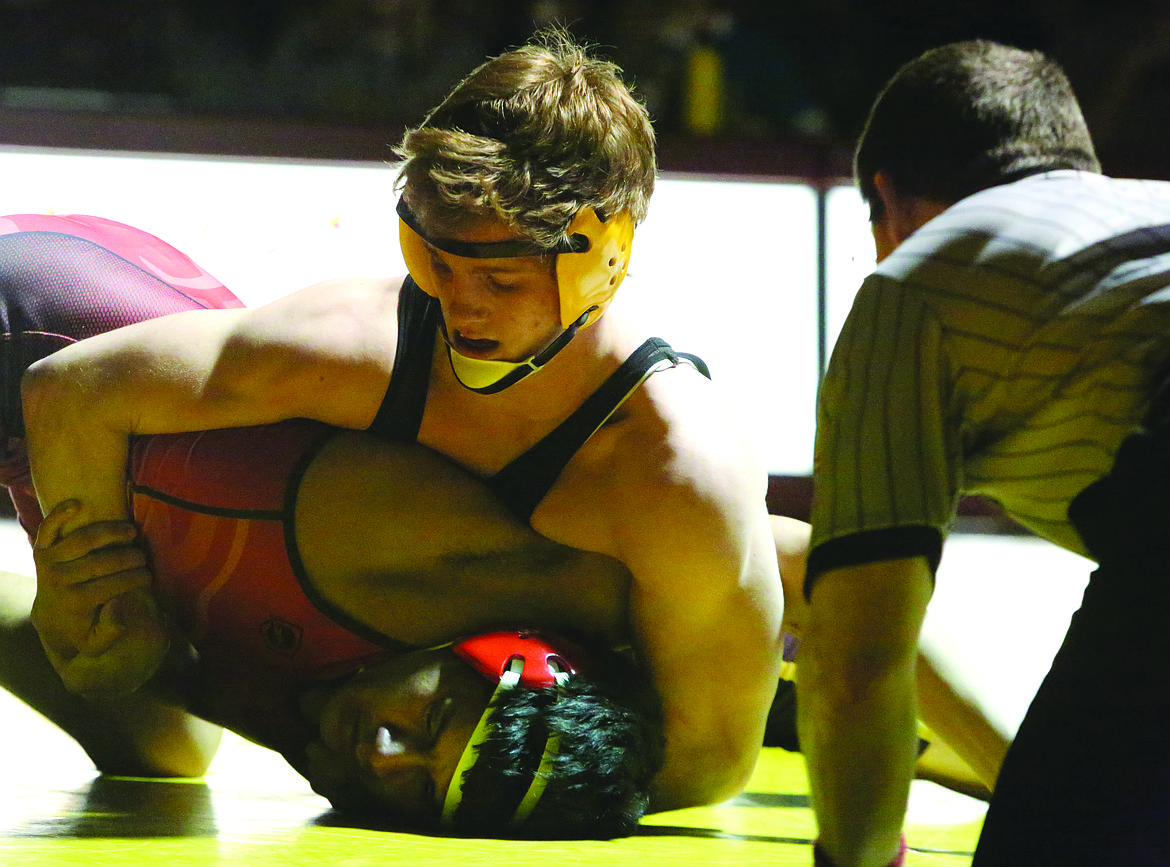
<point x="522" y="484"/>
<point x="490" y="249"/>
<point x="400" y="415"/>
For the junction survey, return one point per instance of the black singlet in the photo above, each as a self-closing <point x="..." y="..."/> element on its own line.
<point x="523" y="483"/>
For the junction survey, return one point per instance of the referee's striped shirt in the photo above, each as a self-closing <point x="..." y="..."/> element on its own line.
<point x="1004" y="349"/>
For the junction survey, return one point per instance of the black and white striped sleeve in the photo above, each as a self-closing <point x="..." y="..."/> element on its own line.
<point x="886" y="467"/>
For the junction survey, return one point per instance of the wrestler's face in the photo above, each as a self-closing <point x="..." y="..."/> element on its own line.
<point x="499" y="309"/>
<point x="392" y="734"/>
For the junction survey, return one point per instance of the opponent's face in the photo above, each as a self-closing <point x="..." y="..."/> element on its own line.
<point x="499" y="309"/>
<point x="392" y="735"/>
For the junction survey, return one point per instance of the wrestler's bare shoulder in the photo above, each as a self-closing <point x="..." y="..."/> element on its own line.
<point x="674" y="445"/>
<point x="362" y="299"/>
<point x="677" y="429"/>
<point x="324" y="352"/>
<point x="348" y="318"/>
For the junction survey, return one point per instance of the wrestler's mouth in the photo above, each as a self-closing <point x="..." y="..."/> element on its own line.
<point x="473" y="347"/>
<point x="330" y="777"/>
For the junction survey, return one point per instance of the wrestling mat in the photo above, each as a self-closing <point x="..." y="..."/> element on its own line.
<point x="252" y="810"/>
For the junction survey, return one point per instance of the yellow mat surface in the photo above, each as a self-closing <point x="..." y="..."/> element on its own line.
<point x="252" y="810"/>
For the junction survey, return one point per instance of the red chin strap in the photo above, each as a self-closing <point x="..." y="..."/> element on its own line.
<point x="543" y="656"/>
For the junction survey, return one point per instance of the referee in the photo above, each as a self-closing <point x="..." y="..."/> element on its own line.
<point x="1014" y="341"/>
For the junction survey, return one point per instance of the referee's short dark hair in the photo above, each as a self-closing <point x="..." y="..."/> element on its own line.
<point x="967" y="116"/>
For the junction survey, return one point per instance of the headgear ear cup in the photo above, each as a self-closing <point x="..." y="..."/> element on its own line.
<point x="586" y="279"/>
<point x="590" y="278"/>
<point x="417" y="258"/>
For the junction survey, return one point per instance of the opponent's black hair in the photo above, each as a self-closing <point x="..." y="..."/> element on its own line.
<point x="610" y="730"/>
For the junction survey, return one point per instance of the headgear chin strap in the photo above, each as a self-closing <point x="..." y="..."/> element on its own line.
<point x="590" y="266"/>
<point x="512" y="659"/>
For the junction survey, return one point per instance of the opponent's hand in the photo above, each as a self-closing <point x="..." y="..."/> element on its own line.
<point x="94" y="611"/>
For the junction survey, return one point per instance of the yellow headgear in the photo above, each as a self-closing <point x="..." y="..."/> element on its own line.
<point x="589" y="268"/>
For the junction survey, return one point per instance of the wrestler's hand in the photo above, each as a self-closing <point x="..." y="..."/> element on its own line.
<point x="94" y="611"/>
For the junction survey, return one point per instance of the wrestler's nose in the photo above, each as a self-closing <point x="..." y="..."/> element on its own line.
<point x="465" y="304"/>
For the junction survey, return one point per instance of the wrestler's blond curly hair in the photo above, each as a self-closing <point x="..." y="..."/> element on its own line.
<point x="530" y="137"/>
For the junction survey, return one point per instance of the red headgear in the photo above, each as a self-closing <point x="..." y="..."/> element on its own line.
<point x="543" y="656"/>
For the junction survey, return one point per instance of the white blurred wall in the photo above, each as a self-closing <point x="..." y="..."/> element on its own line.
<point x="724" y="269"/>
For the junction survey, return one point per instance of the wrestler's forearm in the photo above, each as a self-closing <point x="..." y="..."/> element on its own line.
<point x="707" y="606"/>
<point x="82" y="403"/>
<point x="710" y="761"/>
<point x="201" y="370"/>
<point x="76" y="448"/>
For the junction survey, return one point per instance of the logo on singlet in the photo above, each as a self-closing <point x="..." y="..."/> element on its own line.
<point x="281" y="636"/>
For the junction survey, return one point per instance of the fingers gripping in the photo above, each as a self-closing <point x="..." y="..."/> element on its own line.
<point x="94" y="610"/>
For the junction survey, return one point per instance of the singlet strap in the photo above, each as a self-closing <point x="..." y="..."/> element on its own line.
<point x="400" y="415"/>
<point x="523" y="483"/>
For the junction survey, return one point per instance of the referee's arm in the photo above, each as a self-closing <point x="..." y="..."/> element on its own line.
<point x="857" y="708"/>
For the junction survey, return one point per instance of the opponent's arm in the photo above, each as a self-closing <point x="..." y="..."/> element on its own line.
<point x="857" y="714"/>
<point x="791" y="538"/>
<point x="953" y="700"/>
<point x="321" y="353"/>
<point x="958" y="705"/>
<point x="410" y="544"/>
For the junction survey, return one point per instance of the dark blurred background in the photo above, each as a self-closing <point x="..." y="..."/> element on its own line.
<point x="739" y="86"/>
